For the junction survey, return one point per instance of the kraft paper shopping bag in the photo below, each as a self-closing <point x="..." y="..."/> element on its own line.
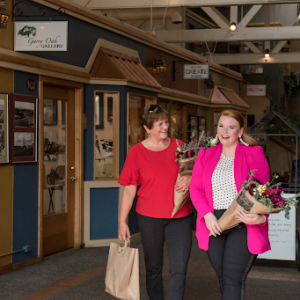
<point x="122" y="272"/>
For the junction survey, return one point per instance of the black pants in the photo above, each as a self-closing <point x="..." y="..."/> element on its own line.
<point x="231" y="259"/>
<point x="177" y="234"/>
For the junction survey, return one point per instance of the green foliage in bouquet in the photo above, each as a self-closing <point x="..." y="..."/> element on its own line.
<point x="192" y="148"/>
<point x="210" y="142"/>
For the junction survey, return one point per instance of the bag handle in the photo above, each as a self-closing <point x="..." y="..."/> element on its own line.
<point x="123" y="248"/>
<point x="127" y="243"/>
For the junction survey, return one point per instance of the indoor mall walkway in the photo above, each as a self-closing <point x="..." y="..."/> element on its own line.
<point x="79" y="275"/>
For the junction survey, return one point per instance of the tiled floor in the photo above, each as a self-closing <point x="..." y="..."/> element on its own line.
<point x="79" y="274"/>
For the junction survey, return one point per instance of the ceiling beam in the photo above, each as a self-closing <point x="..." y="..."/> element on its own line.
<point x="280" y="44"/>
<point x="225" y="35"/>
<point x="199" y="19"/>
<point x="115" y="4"/>
<point x="216" y="16"/>
<point x="234" y="14"/>
<point x="254" y="58"/>
<point x="252" y="47"/>
<point x="267" y="24"/>
<point x="249" y="15"/>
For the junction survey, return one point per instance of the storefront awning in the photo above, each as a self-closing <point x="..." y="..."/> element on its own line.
<point x="111" y="64"/>
<point x="222" y="95"/>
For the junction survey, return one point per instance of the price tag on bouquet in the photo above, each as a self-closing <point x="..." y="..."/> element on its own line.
<point x="282" y="236"/>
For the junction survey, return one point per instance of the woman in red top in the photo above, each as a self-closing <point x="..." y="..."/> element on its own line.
<point x="152" y="164"/>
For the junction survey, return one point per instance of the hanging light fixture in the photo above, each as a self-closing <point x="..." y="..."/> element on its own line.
<point x="267" y="53"/>
<point x="232" y="26"/>
<point x="3" y="18"/>
<point x="160" y="65"/>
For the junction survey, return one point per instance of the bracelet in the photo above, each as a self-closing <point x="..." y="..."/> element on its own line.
<point x="265" y="218"/>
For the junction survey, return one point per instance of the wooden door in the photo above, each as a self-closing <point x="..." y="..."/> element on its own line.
<point x="59" y="169"/>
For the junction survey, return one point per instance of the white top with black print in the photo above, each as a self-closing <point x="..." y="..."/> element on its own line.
<point x="223" y="183"/>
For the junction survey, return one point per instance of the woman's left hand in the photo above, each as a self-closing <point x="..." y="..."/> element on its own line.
<point x="183" y="184"/>
<point x="250" y="219"/>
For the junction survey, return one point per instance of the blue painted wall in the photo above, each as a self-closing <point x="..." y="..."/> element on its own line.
<point x="104" y="219"/>
<point x="80" y="44"/>
<point x="25" y="193"/>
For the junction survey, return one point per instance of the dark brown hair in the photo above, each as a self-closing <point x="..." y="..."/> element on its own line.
<point x="151" y="114"/>
<point x="238" y="117"/>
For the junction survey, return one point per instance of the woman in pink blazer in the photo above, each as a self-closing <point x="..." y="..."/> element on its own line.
<point x="217" y="178"/>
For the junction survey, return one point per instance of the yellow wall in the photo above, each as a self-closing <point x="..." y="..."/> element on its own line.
<point x="6" y="186"/>
<point x="257" y="104"/>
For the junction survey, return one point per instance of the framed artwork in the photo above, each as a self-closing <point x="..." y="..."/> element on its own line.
<point x="4" y="133"/>
<point x="23" y="129"/>
<point x="50" y="112"/>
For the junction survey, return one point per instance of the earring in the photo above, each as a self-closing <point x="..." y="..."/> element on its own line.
<point x="242" y="141"/>
<point x="215" y="140"/>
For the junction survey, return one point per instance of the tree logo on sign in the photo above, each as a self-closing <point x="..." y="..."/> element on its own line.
<point x="27" y="31"/>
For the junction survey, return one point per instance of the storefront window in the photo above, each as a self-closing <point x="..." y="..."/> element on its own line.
<point x="106" y="137"/>
<point x="136" y="105"/>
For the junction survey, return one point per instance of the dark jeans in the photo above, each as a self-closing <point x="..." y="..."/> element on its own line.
<point x="177" y="234"/>
<point x="231" y="259"/>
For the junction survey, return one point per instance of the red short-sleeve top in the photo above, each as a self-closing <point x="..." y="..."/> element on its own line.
<point x="156" y="171"/>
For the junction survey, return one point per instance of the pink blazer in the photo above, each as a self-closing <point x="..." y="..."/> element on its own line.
<point x="246" y="159"/>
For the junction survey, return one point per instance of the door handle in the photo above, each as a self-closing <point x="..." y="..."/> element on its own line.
<point x="73" y="178"/>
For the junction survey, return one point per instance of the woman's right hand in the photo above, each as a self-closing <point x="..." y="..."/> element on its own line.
<point x="212" y="224"/>
<point x="123" y="231"/>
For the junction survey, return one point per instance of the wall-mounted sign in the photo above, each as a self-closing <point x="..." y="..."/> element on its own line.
<point x="256" y="90"/>
<point x="41" y="36"/>
<point x="30" y="84"/>
<point x="196" y="72"/>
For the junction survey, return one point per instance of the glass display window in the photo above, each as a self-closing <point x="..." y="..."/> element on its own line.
<point x="106" y="135"/>
<point x="136" y="105"/>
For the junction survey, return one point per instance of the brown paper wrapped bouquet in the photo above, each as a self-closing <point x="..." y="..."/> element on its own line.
<point x="256" y="198"/>
<point x="186" y="156"/>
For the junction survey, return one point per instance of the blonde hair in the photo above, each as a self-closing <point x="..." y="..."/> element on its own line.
<point x="238" y="117"/>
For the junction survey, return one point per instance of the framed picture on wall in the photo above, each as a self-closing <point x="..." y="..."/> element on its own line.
<point x="23" y="129"/>
<point x="4" y="129"/>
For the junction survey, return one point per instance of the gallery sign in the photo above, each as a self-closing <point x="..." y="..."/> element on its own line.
<point x="256" y="90"/>
<point x="196" y="72"/>
<point x="41" y="36"/>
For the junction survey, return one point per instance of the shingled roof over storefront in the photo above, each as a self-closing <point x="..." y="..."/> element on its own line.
<point x="222" y="95"/>
<point x="111" y="64"/>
